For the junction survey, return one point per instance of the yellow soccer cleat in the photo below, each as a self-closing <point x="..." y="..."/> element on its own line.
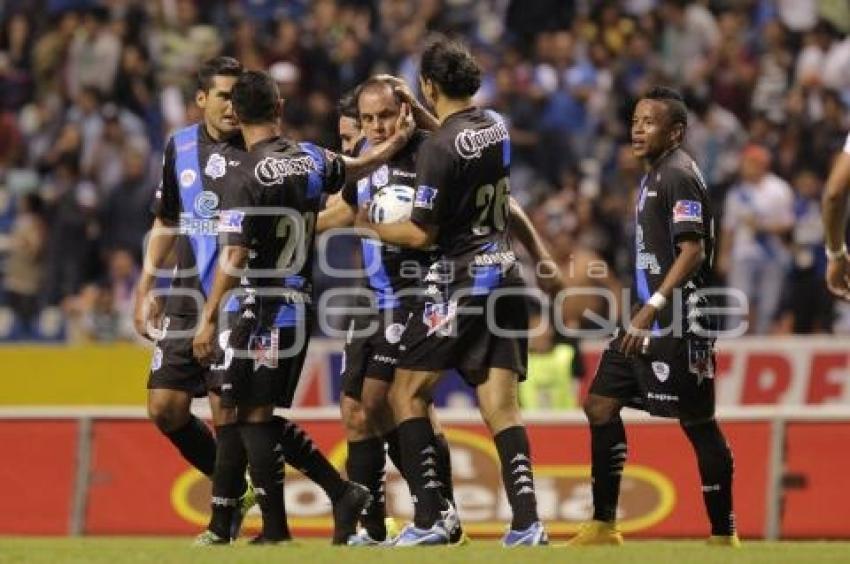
<point x="732" y="541"/>
<point x="597" y="533"/>
<point x="392" y="527"/>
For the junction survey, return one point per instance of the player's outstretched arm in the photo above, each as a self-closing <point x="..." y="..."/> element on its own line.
<point x="404" y="233"/>
<point x="834" y="215"/>
<point x="147" y="312"/>
<point x="366" y="163"/>
<point x="546" y="269"/>
<point x="338" y="213"/>
<point x="690" y="258"/>
<point x="232" y="262"/>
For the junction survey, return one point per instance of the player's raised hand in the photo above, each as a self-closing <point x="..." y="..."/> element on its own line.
<point x="401" y="88"/>
<point x="405" y="124"/>
<point x="838" y="278"/>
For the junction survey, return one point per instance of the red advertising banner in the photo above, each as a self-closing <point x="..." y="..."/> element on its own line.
<point x="138" y="484"/>
<point x="37" y="472"/>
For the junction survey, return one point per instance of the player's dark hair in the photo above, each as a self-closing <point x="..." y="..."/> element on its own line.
<point x="347" y="105"/>
<point x="449" y="64"/>
<point x="217" y="66"/>
<point x="674" y="102"/>
<point x="255" y="98"/>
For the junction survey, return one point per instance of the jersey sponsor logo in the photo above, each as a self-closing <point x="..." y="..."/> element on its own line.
<point x="661" y="370"/>
<point x="383" y="359"/>
<point x="470" y="142"/>
<point x="271" y="170"/>
<point x="393" y="333"/>
<point x="404" y="174"/>
<point x="230" y="221"/>
<point x="187" y="177"/>
<point x="381" y="177"/>
<point x="489" y="259"/>
<point x="206" y="204"/>
<point x="216" y="166"/>
<point x="661" y="397"/>
<point x="687" y="210"/>
<point x="425" y="196"/>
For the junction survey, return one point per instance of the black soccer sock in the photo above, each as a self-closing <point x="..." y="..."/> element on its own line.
<point x="301" y="453"/>
<point x="609" y="451"/>
<point x="394" y="450"/>
<point x="418" y="457"/>
<point x="365" y="465"/>
<point x="444" y="467"/>
<point x="517" y="475"/>
<point x="266" y="460"/>
<point x="715" y="469"/>
<point x="196" y="443"/>
<point x="228" y="483"/>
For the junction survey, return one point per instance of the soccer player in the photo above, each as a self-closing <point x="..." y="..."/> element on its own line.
<point x="194" y="180"/>
<point x="395" y="274"/>
<point x="267" y="223"/>
<point x="474" y="317"/>
<point x="835" y="225"/>
<point x="664" y="361"/>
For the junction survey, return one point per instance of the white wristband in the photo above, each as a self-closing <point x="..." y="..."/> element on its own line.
<point x="836" y="255"/>
<point x="657" y="301"/>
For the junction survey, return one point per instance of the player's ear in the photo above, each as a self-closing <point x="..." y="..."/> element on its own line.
<point x="201" y="98"/>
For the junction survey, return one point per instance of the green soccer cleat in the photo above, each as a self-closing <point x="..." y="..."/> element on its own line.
<point x="209" y="538"/>
<point x="246" y="502"/>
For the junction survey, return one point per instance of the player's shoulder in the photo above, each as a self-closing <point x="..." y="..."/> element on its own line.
<point x="679" y="167"/>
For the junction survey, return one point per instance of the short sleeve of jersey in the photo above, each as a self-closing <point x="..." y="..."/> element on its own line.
<point x="686" y="198"/>
<point x="331" y="167"/>
<point x="166" y="203"/>
<point x="235" y="223"/>
<point x="433" y="169"/>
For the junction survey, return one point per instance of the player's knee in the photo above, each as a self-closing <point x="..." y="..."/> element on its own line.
<point x="167" y="417"/>
<point x="598" y="411"/>
<point x="374" y="406"/>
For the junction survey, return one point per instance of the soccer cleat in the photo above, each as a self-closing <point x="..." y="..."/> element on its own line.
<point x="362" y="538"/>
<point x="534" y="535"/>
<point x="209" y="538"/>
<point x="246" y="502"/>
<point x="595" y="533"/>
<point x="451" y="523"/>
<point x="412" y="535"/>
<point x="347" y="510"/>
<point x="732" y="541"/>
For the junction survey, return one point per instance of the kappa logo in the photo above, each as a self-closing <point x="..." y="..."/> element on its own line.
<point x="216" y="166"/>
<point x="661" y="370"/>
<point x="187" y="177"/>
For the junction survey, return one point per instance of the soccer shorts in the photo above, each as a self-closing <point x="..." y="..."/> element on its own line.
<point x="674" y="379"/>
<point x="268" y="367"/>
<point x="174" y="367"/>
<point x="371" y="350"/>
<point x="460" y="334"/>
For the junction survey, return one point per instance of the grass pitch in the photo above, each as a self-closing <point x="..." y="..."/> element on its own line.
<point x="167" y="550"/>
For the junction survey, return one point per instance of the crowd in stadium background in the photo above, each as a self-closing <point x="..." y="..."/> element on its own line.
<point x="89" y="91"/>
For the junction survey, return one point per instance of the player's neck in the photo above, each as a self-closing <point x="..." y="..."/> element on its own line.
<point x="446" y="107"/>
<point x="653" y="162"/>
<point x="258" y="133"/>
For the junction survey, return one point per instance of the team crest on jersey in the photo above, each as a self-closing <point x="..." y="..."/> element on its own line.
<point x="687" y="210"/>
<point x="206" y="204"/>
<point x="187" y="177"/>
<point x="216" y="166"/>
<point x="381" y="177"/>
<point x="661" y="370"/>
<point x="425" y="196"/>
<point x="264" y="348"/>
<point x="439" y="317"/>
<point x="393" y="333"/>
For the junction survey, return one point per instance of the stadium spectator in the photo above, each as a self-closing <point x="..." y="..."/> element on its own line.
<point x="24" y="267"/>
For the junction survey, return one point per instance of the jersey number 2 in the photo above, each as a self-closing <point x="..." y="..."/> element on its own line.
<point x="491" y="202"/>
<point x="296" y="233"/>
